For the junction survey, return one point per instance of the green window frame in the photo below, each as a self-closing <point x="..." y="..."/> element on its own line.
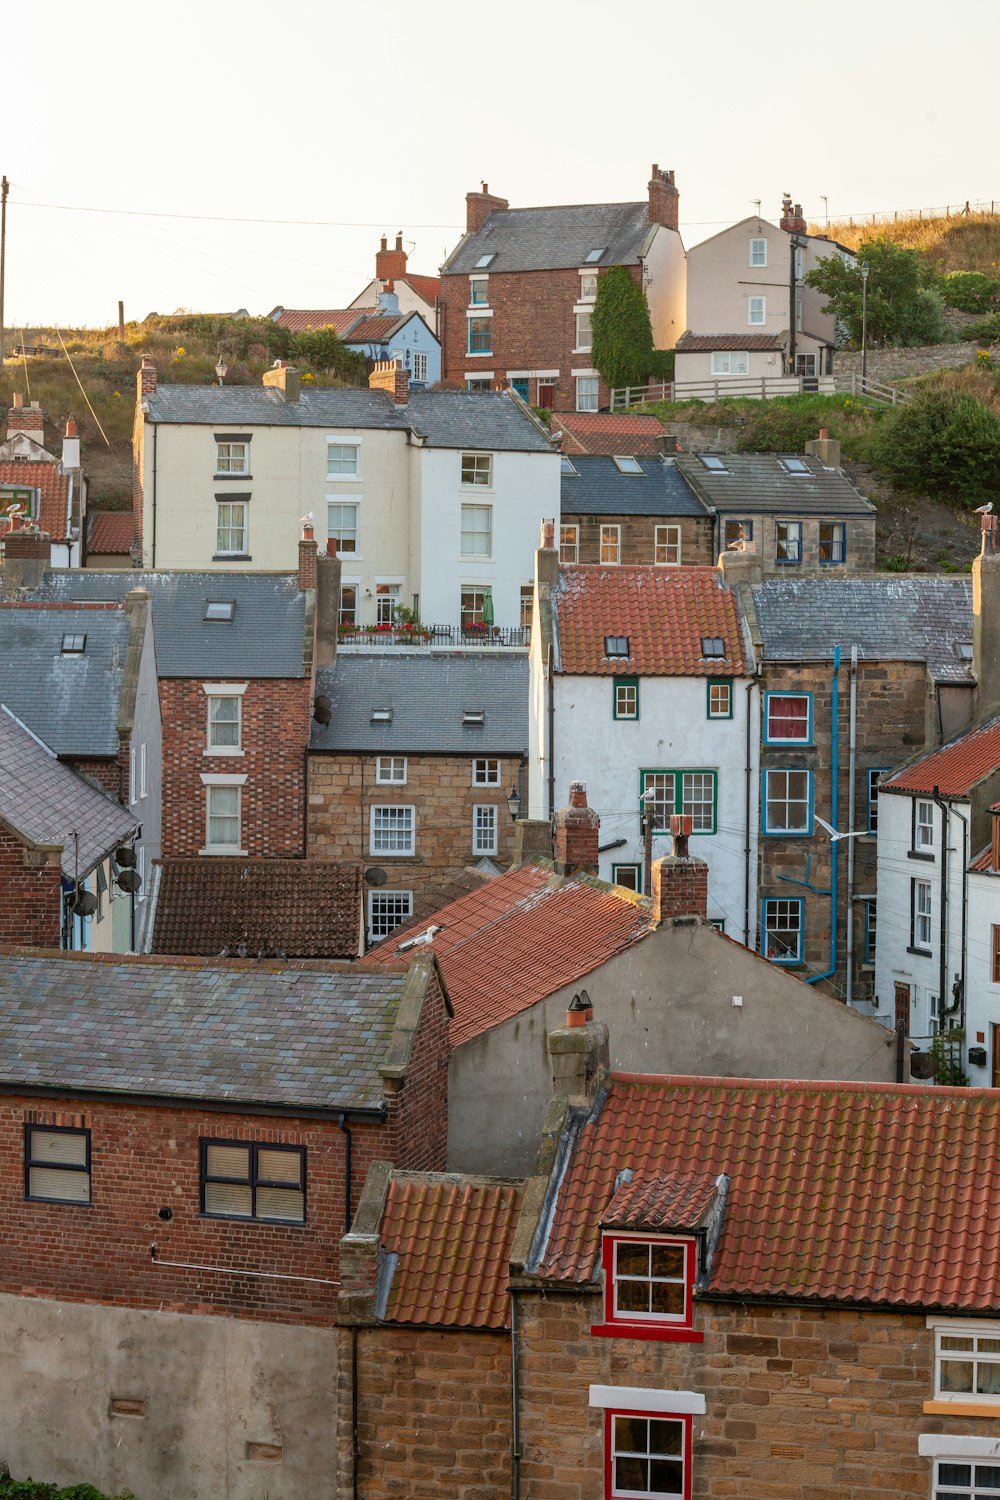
<point x="625" y="697"/>
<point x="15" y="495"/>
<point x="719" y="698"/>
<point x="681" y="789"/>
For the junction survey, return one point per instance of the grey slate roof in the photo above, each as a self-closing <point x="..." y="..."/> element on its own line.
<point x="264" y="639"/>
<point x="757" y="483"/>
<point x="546" y="239"/>
<point x="70" y="701"/>
<point x="427" y="694"/>
<point x="47" y="802"/>
<point x="889" y="618"/>
<point x="600" y="488"/>
<point x="446" y="419"/>
<point x="232" y="1033"/>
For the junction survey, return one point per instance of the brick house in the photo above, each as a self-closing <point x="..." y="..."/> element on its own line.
<point x="518" y="290"/>
<point x="627" y="509"/>
<point x="695" y="1308"/>
<point x="48" y="492"/>
<point x="412" y="768"/>
<point x="798" y="513"/>
<point x="175" y="1184"/>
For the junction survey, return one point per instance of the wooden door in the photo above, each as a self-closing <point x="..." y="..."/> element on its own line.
<point x="903" y="1007"/>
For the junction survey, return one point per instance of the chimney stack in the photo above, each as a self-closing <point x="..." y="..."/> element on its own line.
<point x="576" y="830"/>
<point x="27" y="419"/>
<point x="680" y="882"/>
<point x="285" y="378"/>
<point x="532" y="841"/>
<point x="387" y="300"/>
<point x="580" y="1055"/>
<point x="146" y="378"/>
<point x="26" y="557"/>
<point x="390" y="376"/>
<point x="307" y="555"/>
<point x="71" y="446"/>
<point x="986" y="622"/>
<point x="390" y="265"/>
<point x="791" y="216"/>
<point x="328" y="574"/>
<point x="825" y="448"/>
<point x="741" y="565"/>
<point x="664" y="198"/>
<point x="479" y="206"/>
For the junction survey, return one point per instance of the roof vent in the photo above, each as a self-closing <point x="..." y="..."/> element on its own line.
<point x="473" y="716"/>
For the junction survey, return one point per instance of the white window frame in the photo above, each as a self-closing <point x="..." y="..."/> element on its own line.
<point x="566" y="546"/>
<point x="354" y="585"/>
<point x="923" y="916"/>
<point x="391" y="770"/>
<point x="387" y="592"/>
<point x="485" y="828"/>
<point x="588" y="286"/>
<point x="399" y="836"/>
<point x="213" y="783"/>
<point x="215" y="690"/>
<point x="338" y="533"/>
<point x="584" y="344"/>
<point x="667" y="538"/>
<point x="375" y="898"/>
<point x="339" y="476"/>
<point x="588" y="399"/>
<point x="759" y="304"/>
<point x="476" y="471"/>
<point x="790" y="905"/>
<point x="976" y="1331"/>
<point x="224" y="467"/>
<point x="610" y="537"/>
<point x="132" y="782"/>
<point x="486" y="772"/>
<point x="469" y="533"/>
<point x="923" y="826"/>
<point x="231" y="506"/>
<point x="757" y="257"/>
<point x="419" y="371"/>
<point x="730" y="362"/>
<point x="778" y="793"/>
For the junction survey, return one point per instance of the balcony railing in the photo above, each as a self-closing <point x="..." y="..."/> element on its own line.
<point x="435" y="637"/>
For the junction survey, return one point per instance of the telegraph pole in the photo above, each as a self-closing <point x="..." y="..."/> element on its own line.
<point x="4" y="190"/>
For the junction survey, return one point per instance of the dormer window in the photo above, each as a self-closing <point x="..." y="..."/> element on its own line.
<point x="627" y="465"/>
<point x="74" y="643"/>
<point x="651" y="1279"/>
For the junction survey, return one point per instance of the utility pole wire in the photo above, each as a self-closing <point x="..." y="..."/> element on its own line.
<point x="83" y="393"/>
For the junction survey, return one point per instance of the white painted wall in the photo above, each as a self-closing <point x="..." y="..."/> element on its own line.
<point x="672" y="731"/>
<point x="983" y="996"/>
<point x="720" y="279"/>
<point x="666" y="287"/>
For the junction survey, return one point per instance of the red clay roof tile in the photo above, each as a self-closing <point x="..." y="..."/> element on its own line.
<point x="673" y="1200"/>
<point x="611" y="433"/>
<point x="110" y="531"/>
<point x="427" y="287"/>
<point x="666" y="613"/>
<point x="842" y="1192"/>
<point x="956" y="768"/>
<point x="340" y="319"/>
<point x="52" y="486"/>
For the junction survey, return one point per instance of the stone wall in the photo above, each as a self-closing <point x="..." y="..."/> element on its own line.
<point x="889" y="365"/>
<point x="638" y="537"/>
<point x="689" y="437"/>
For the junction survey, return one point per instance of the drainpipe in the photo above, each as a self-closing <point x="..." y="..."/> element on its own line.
<point x="155" y="434"/>
<point x="945" y="834"/>
<point x="849" y="988"/>
<point x="834" y="811"/>
<point x="749" y="940"/>
<point x="342" y="1122"/>
<point x="552" y="737"/>
<point x="355" y="1444"/>
<point x="958" y="1003"/>
<point x="515" y="1405"/>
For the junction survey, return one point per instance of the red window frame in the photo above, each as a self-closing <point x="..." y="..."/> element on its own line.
<point x="685" y="1421"/>
<point x="677" y="1328"/>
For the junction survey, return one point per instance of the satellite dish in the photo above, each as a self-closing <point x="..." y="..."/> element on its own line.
<point x="125" y="857"/>
<point x="84" y="903"/>
<point x="129" y="880"/>
<point x="375" y="876"/>
<point x="322" y="709"/>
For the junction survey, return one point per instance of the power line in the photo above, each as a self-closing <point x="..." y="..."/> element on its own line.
<point x="151" y="213"/>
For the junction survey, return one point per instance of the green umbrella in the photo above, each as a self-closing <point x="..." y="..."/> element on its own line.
<point x="488" y="607"/>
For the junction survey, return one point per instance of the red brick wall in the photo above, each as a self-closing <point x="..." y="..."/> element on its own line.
<point x="30" y="908"/>
<point x="533" y="329"/>
<point x="277" y="713"/>
<point x="110" y="775"/>
<point x="421" y="1144"/>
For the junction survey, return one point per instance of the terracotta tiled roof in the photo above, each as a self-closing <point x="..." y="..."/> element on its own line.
<point x="838" y="1191"/>
<point x="109" y="531"/>
<point x="519" y="938"/>
<point x="452" y="1237"/>
<point x="984" y="859"/>
<point x="427" y="287"/>
<point x="307" y="908"/>
<point x="340" y="319"/>
<point x="375" y="328"/>
<point x="666" y="613"/>
<point x="674" y="1200"/>
<point x="608" y="432"/>
<point x="956" y="768"/>
<point x="52" y="486"/>
<point x="704" y="343"/>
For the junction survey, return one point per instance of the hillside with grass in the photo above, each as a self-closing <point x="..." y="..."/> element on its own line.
<point x="968" y="243"/>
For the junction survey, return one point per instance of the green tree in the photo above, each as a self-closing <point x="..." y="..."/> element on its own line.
<point x="320" y="347"/>
<point x="621" y="333"/>
<point x="944" y="443"/>
<point x="904" y="305"/>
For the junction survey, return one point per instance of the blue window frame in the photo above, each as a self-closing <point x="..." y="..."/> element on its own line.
<point x="781" y="929"/>
<point x="480" y="335"/>
<point x="735" y="531"/>
<point x="832" y="543"/>
<point x="787" y="542"/>
<point x="522" y="387"/>
<point x="874" y="776"/>
<point x="870" y="931"/>
<point x="788" y="718"/>
<point x="788" y="803"/>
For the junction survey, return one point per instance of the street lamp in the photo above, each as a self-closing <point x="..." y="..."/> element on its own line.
<point x="513" y="803"/>
<point x="221" y="369"/>
<point x="865" y="268"/>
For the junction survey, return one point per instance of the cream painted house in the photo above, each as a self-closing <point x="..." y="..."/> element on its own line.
<point x="749" y="313"/>
<point x="433" y="499"/>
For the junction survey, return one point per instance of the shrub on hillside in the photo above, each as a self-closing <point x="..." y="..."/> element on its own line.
<point x="944" y="443"/>
<point x="622" y="335"/>
<point x="34" y="1489"/>
<point x="986" y="331"/>
<point x="970" y="291"/>
<point x="661" y="365"/>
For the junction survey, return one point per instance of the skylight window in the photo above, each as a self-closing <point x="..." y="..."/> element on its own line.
<point x="795" y="465"/>
<point x="713" y="646"/>
<point x="713" y="463"/>
<point x="566" y="466"/>
<point x="627" y="465"/>
<point x="964" y="649"/>
<point x="616" y="646"/>
<point x="486" y="260"/>
<point x="74" y="644"/>
<point x="220" y="609"/>
<point x="593" y="256"/>
<point x="381" y="716"/>
<point x="473" y="716"/>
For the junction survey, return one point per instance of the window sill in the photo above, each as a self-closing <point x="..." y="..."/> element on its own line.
<point x="343" y="479"/>
<point x="921" y="952"/>
<point x="230" y="753"/>
<point x="479" y="353"/>
<point x="674" y="1335"/>
<point x="232" y="557"/>
<point x="786" y="963"/>
<point x="788" y="562"/>
<point x="961" y="1409"/>
<point x="919" y="854"/>
<point x="788" y="833"/>
<point x="249" y="1219"/>
<point x="227" y="851"/>
<point x="787" y="745"/>
<point x="222" y="478"/>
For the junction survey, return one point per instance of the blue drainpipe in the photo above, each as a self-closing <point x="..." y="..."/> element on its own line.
<point x="834" y="809"/>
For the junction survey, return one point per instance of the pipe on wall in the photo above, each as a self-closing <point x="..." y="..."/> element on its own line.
<point x="851" y="809"/>
<point x="515" y="1405"/>
<point x="834" y="811"/>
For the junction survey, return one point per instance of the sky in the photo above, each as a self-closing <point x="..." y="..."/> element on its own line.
<point x="200" y="124"/>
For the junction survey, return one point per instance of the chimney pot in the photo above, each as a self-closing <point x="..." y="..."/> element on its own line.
<point x="580" y="1010"/>
<point x="18" y="400"/>
<point x="331" y="546"/>
<point x="307" y="556"/>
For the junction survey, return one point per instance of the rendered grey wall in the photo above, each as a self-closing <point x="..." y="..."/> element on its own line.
<point x="668" y="1002"/>
<point x="211" y="1386"/>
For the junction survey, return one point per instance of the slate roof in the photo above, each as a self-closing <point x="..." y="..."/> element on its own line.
<point x="954" y="769"/>
<point x="611" y="432"/>
<point x="888" y="618"/>
<point x="51" y="485"/>
<point x="759" y="484"/>
<point x="838" y="1191"/>
<point x="234" y="1033"/>
<point x="546" y="239"/>
<point x="109" y="532"/>
<point x="446" y="419"/>
<point x="70" y="701"/>
<point x="47" y="803"/>
<point x="306" y="908"/>
<point x="427" y="694"/>
<point x="600" y="488"/>
<point x="450" y="1239"/>
<point x="665" y="612"/>
<point x="263" y="639"/>
<point x="519" y="938"/>
<point x="704" y="343"/>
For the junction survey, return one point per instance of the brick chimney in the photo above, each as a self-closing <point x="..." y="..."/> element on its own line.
<point x="791" y="216"/>
<point x="576" y="830"/>
<point x="285" y="378"/>
<point x="71" y="446"/>
<point x="825" y="448"/>
<point x="328" y="575"/>
<point x="307" y="555"/>
<point x="27" y="419"/>
<point x="663" y="198"/>
<point x="986" y="622"/>
<point x="390" y="376"/>
<point x="580" y="1056"/>
<point x="390" y="265"/>
<point x="679" y="882"/>
<point x="479" y="206"/>
<point x="146" y="378"/>
<point x="26" y="557"/>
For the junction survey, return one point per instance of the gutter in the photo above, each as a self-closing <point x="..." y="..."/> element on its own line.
<point x="515" y="1404"/>
<point x="552" y="735"/>
<point x="377" y="1114"/>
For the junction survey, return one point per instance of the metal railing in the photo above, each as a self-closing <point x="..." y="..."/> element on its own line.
<point x="431" y="637"/>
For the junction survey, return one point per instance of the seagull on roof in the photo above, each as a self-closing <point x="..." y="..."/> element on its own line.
<point x="834" y="835"/>
<point x="985" y="510"/>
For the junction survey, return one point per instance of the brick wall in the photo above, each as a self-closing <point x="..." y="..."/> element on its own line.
<point x="31" y="886"/>
<point x="534" y="328"/>
<point x="110" y="775"/>
<point x="343" y="789"/>
<point x="277" y="714"/>
<point x="638" y="537"/>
